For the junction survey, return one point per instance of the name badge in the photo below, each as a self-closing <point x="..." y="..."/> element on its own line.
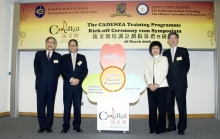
<point x="79" y="63"/>
<point x="178" y="58"/>
<point x="55" y="61"/>
<point x="158" y="60"/>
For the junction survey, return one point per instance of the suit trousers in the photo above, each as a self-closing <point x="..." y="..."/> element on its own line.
<point x="157" y="99"/>
<point x="180" y="95"/>
<point x="45" y="98"/>
<point x="72" y="97"/>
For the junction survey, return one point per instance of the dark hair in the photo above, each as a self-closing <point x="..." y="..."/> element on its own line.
<point x="155" y="43"/>
<point x="173" y="33"/>
<point x="55" y="41"/>
<point x="74" y="41"/>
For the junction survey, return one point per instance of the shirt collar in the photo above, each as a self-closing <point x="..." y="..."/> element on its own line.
<point x="74" y="54"/>
<point x="174" y="48"/>
<point x="51" y="52"/>
<point x="155" y="57"/>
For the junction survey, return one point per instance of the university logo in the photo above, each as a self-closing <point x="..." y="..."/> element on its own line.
<point x="120" y="10"/>
<point x="142" y="9"/>
<point x="39" y="11"/>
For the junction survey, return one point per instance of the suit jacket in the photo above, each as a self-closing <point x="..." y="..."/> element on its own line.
<point x="178" y="69"/>
<point x="158" y="68"/>
<point x="67" y="72"/>
<point x="47" y="71"/>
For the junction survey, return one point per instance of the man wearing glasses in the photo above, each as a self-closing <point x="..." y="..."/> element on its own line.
<point x="74" y="70"/>
<point x="47" y="70"/>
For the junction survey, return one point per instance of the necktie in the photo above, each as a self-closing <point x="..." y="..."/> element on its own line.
<point x="172" y="50"/>
<point x="73" y="62"/>
<point x="48" y="56"/>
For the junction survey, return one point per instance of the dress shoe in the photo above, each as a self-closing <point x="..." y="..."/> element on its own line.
<point x="181" y="132"/>
<point x="64" y="130"/>
<point x="151" y="132"/>
<point x="78" y="129"/>
<point x="49" y="130"/>
<point x="41" y="130"/>
<point x="170" y="129"/>
<point x="158" y="132"/>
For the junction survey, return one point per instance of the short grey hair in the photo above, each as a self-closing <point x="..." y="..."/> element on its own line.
<point x="173" y="33"/>
<point x="55" y="41"/>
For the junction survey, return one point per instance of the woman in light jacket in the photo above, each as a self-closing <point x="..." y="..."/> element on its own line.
<point x="156" y="69"/>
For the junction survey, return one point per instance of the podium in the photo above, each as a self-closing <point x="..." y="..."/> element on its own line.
<point x="113" y="90"/>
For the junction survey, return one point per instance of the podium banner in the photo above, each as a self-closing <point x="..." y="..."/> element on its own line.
<point x="113" y="89"/>
<point x="113" y="114"/>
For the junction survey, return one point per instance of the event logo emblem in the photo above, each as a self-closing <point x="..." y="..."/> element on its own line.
<point x="120" y="10"/>
<point x="112" y="78"/>
<point x="55" y="29"/>
<point x="39" y="11"/>
<point x="142" y="9"/>
<point x="104" y="115"/>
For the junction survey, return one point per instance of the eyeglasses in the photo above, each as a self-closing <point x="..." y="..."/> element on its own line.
<point x="72" y="45"/>
<point x="51" y="42"/>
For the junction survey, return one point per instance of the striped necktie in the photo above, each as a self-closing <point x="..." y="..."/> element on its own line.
<point x="48" y="56"/>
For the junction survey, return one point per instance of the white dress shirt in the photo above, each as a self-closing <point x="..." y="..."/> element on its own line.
<point x="174" y="51"/>
<point x="156" y="68"/>
<point x="75" y="55"/>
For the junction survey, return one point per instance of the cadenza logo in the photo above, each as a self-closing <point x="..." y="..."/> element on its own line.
<point x="104" y="115"/>
<point x="55" y="29"/>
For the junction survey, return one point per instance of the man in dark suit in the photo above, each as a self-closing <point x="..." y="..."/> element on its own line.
<point x="74" y="70"/>
<point x="178" y="59"/>
<point x="47" y="70"/>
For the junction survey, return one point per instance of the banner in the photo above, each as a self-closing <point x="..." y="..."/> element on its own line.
<point x="131" y="24"/>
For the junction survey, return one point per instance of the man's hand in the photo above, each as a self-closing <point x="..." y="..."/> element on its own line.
<point x="74" y="81"/>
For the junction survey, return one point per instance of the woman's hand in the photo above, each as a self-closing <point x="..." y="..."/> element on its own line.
<point x="151" y="86"/>
<point x="156" y="86"/>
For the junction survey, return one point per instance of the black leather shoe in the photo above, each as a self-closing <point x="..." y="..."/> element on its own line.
<point x="49" y="130"/>
<point x="170" y="129"/>
<point x="151" y="132"/>
<point x="78" y="129"/>
<point x="41" y="130"/>
<point x="158" y="132"/>
<point x="181" y="132"/>
<point x="64" y="130"/>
